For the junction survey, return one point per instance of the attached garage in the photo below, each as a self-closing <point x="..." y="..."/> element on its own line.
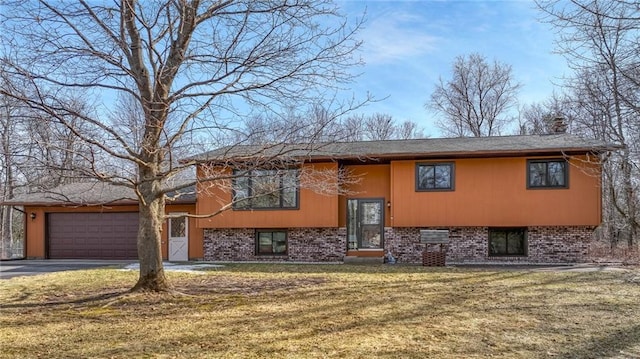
<point x="95" y="220"/>
<point x="92" y="235"/>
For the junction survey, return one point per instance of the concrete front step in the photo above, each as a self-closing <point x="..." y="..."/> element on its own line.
<point x="363" y="260"/>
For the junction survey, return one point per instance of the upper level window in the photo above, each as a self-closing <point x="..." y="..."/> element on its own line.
<point x="551" y="173"/>
<point x="265" y="189"/>
<point x="434" y="176"/>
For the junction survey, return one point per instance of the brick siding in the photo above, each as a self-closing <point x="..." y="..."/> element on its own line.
<point x="470" y="245"/>
<point x="317" y="244"/>
<point x="546" y="245"/>
<point x="229" y="244"/>
<point x="303" y="245"/>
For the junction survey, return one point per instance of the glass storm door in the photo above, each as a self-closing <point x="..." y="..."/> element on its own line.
<point x="365" y="223"/>
<point x="178" y="238"/>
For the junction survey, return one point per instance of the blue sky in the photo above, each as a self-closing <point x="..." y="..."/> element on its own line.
<point x="408" y="45"/>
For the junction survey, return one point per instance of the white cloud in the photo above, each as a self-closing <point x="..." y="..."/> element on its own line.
<point x="395" y="36"/>
<point x="409" y="44"/>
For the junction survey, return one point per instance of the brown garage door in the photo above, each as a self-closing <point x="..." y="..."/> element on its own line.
<point x="92" y="235"/>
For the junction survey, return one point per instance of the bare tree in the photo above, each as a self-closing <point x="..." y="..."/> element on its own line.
<point x="37" y="154"/>
<point x="378" y="126"/>
<point x="476" y="99"/>
<point x="408" y="130"/>
<point x="602" y="115"/>
<point x="325" y="126"/>
<point x="10" y="148"/>
<point x="599" y="39"/>
<point x="543" y="117"/>
<point x="353" y="127"/>
<point x="193" y="68"/>
<point x="312" y="124"/>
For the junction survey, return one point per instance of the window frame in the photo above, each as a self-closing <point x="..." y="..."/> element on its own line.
<point x="248" y="177"/>
<point x="452" y="170"/>
<point x="546" y="161"/>
<point x="507" y="230"/>
<point x="272" y="231"/>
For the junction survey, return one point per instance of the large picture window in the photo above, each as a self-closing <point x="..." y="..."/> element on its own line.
<point x="265" y="189"/>
<point x="434" y="176"/>
<point x="547" y="173"/>
<point x="271" y="242"/>
<point x="507" y="242"/>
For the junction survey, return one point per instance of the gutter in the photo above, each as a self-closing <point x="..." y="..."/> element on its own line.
<point x="429" y="155"/>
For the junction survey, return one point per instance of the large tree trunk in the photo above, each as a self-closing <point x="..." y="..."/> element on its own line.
<point x="152" y="276"/>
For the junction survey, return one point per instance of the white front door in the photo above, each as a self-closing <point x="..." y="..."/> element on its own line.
<point x="178" y="238"/>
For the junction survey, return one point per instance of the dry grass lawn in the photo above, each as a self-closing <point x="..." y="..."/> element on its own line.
<point x="330" y="311"/>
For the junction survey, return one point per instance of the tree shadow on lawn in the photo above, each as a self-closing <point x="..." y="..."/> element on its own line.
<point x="334" y="306"/>
<point x="318" y="268"/>
<point x="317" y="285"/>
<point x="345" y="311"/>
<point x="437" y="274"/>
<point x="84" y="300"/>
<point x="221" y="285"/>
<point x="438" y="306"/>
<point x="355" y="309"/>
<point x="224" y="285"/>
<point x="621" y="343"/>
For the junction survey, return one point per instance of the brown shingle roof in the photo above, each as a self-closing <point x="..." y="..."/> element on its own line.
<point x="89" y="193"/>
<point x="417" y="148"/>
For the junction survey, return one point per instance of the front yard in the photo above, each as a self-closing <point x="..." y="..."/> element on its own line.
<point x="332" y="311"/>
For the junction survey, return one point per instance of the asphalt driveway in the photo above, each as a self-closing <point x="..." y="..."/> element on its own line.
<point x="17" y="268"/>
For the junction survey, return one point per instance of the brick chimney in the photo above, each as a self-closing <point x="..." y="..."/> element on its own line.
<point x="558" y="125"/>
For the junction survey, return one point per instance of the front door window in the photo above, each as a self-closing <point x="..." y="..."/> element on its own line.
<point x="365" y="223"/>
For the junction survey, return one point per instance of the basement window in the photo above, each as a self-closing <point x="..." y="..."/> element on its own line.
<point x="269" y="242"/>
<point x="507" y="241"/>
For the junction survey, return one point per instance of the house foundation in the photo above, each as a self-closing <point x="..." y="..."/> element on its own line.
<point x="467" y="245"/>
<point x="470" y="245"/>
<point x="303" y="245"/>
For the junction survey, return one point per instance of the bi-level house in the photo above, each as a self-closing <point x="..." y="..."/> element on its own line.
<point x="510" y="199"/>
<point x="522" y="199"/>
